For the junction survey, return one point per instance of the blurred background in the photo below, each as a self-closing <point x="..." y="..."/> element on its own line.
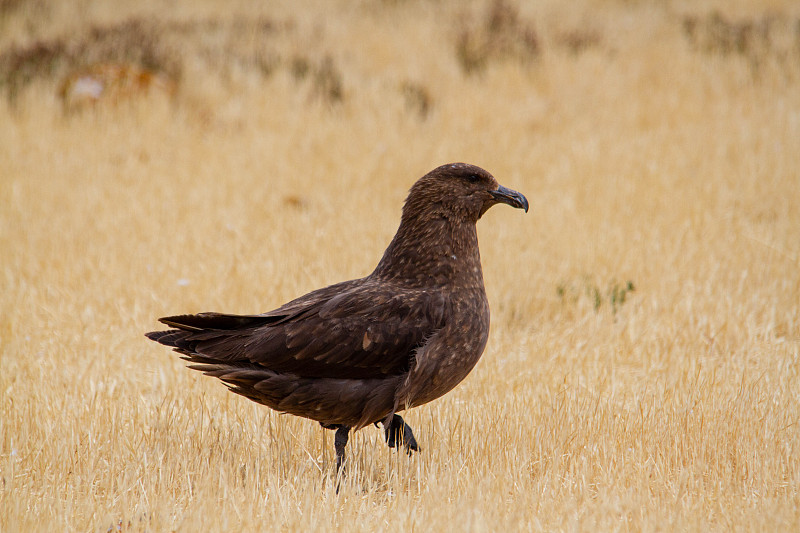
<point x="168" y="157"/>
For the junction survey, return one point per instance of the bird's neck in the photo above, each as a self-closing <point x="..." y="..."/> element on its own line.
<point x="436" y="251"/>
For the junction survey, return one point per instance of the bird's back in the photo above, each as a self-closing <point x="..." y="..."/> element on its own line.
<point x="356" y="352"/>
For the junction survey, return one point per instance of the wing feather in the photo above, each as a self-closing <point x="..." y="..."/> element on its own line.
<point x="350" y="330"/>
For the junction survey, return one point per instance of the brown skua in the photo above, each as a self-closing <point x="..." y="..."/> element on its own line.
<point x="358" y="352"/>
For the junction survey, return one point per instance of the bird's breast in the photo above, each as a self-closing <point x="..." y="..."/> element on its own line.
<point x="452" y="352"/>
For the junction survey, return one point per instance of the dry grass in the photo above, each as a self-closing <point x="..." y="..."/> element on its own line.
<point x="648" y="154"/>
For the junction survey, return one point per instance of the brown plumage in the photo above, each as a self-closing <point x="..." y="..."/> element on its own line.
<point x="355" y="353"/>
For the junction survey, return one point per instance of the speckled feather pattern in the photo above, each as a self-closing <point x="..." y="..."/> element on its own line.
<point x="356" y="352"/>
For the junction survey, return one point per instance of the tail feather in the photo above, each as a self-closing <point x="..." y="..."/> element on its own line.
<point x="190" y="330"/>
<point x="160" y="336"/>
<point x="241" y="376"/>
<point x="204" y="321"/>
<point x="174" y="338"/>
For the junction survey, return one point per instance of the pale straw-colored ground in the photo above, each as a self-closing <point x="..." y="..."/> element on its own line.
<point x="648" y="155"/>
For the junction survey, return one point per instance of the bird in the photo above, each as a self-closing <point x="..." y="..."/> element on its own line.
<point x="358" y="352"/>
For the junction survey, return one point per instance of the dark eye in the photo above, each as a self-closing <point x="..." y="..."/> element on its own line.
<point x="473" y="178"/>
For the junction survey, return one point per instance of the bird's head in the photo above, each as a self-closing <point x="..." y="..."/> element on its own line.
<point x="437" y="242"/>
<point x="462" y="191"/>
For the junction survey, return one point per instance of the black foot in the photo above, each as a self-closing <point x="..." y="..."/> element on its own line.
<point x="399" y="433"/>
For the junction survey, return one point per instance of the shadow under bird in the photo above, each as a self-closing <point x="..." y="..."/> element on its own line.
<point x="358" y="352"/>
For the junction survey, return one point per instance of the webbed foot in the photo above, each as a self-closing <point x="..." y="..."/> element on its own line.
<point x="399" y="433"/>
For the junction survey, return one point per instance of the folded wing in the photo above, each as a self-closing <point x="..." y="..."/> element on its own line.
<point x="352" y="330"/>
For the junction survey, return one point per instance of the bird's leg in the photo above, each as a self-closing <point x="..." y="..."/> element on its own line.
<point x="398" y="432"/>
<point x="340" y="441"/>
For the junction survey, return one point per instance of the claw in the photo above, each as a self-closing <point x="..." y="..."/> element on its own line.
<point x="398" y="432"/>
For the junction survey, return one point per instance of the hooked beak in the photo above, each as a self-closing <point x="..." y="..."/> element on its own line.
<point x="510" y="197"/>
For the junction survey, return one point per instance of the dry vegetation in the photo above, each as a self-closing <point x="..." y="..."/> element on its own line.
<point x="643" y="370"/>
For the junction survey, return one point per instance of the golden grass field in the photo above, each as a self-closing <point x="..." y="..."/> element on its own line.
<point x="658" y="144"/>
